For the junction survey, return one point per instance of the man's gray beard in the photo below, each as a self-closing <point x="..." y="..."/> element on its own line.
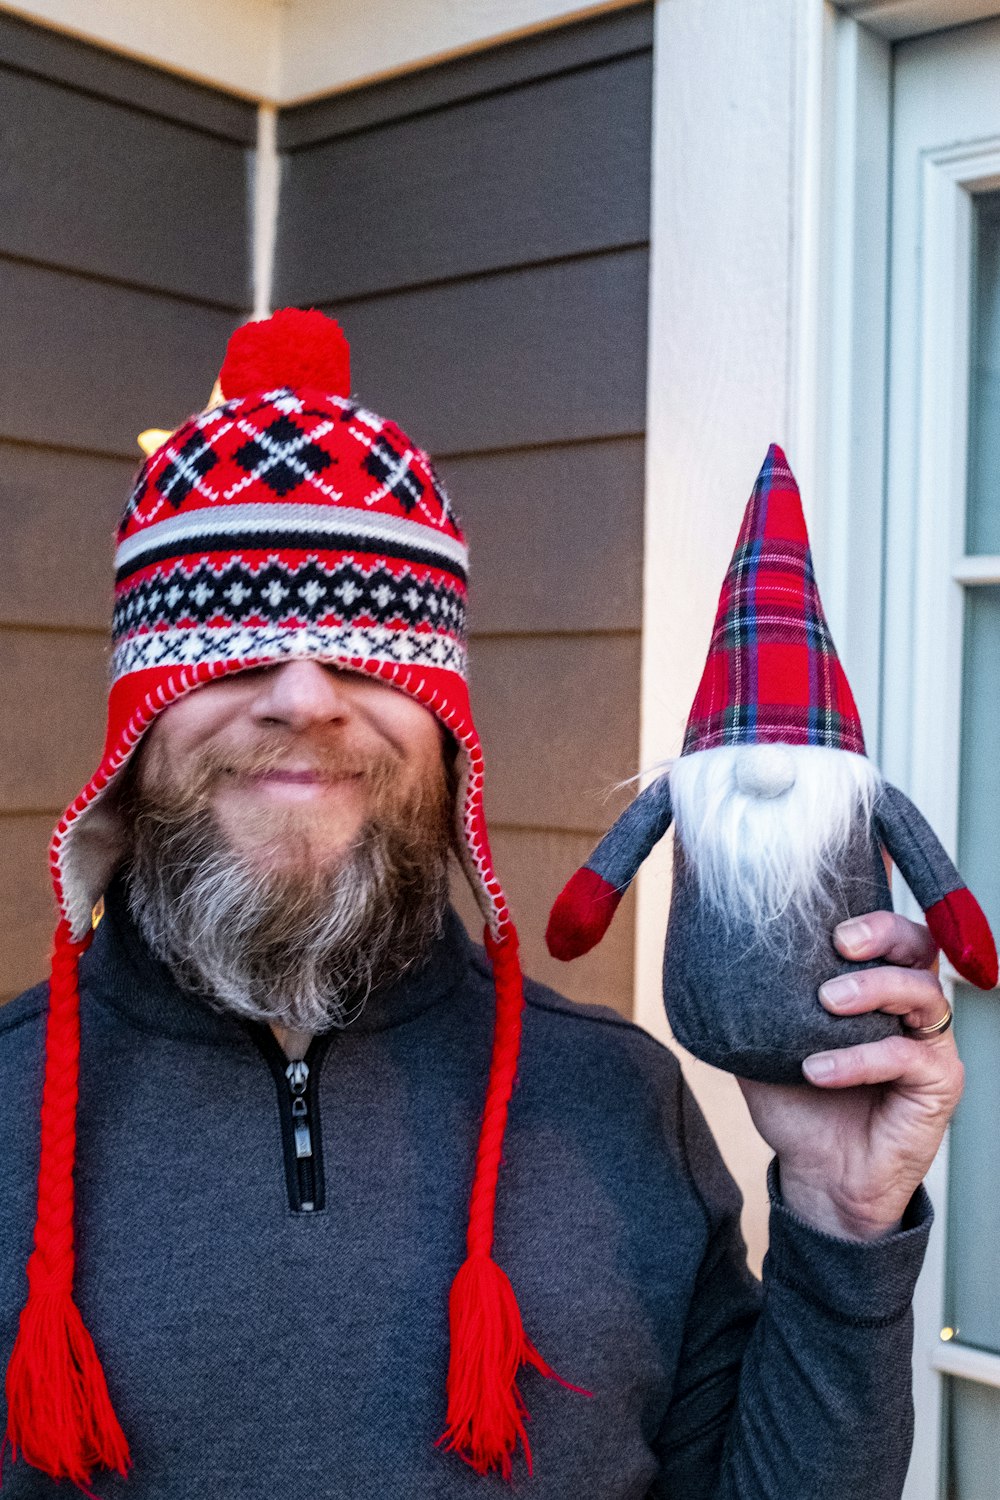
<point x="301" y="947"/>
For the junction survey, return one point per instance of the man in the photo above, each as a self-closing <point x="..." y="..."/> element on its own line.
<point x="295" y="1072"/>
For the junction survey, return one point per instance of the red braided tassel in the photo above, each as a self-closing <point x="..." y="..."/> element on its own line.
<point x="486" y="1412"/>
<point x="59" y="1413"/>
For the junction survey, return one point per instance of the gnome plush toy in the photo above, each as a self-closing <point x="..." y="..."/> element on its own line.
<point x="780" y="824"/>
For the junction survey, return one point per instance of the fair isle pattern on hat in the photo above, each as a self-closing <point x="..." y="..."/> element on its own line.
<point x="772" y="672"/>
<point x="285" y="522"/>
<point x="267" y="516"/>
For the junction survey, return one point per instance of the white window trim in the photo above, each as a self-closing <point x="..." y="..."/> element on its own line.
<point x="924" y="653"/>
<point x="942" y="418"/>
<point x="976" y="571"/>
<point x="919" y="678"/>
<point x="951" y="1358"/>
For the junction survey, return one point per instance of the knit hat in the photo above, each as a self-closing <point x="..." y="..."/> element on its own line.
<point x="284" y="522"/>
<point x="772" y="672"/>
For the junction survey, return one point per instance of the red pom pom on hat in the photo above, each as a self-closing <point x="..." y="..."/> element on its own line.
<point x="293" y="348"/>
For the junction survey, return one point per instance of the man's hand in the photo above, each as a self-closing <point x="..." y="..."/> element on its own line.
<point x="853" y="1148"/>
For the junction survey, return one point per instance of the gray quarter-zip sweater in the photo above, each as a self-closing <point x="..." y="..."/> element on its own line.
<point x="257" y="1347"/>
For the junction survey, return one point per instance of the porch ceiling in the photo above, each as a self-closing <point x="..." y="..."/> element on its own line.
<point x="287" y="52"/>
<point x="897" y="19"/>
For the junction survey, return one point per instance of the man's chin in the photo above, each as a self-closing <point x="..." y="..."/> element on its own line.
<point x="247" y="905"/>
<point x="295" y="842"/>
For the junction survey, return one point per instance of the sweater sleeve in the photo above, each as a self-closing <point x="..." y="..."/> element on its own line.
<point x="799" y="1385"/>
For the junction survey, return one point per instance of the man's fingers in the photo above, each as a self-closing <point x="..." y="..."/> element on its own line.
<point x="886" y="934"/>
<point x="930" y="1067"/>
<point x="913" y="994"/>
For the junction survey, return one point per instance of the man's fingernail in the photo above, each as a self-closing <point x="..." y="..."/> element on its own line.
<point x="819" y="1067"/>
<point x="839" y="991"/>
<point x="854" y="936"/>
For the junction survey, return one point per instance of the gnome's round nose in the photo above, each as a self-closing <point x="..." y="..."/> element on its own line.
<point x="764" y="771"/>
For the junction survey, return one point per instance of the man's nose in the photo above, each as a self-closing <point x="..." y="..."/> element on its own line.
<point x="301" y="694"/>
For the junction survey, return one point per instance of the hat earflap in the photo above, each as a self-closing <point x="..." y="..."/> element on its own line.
<point x="59" y="1413"/>
<point x="486" y="1411"/>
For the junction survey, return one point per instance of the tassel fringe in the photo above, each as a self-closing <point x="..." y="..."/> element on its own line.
<point x="486" y="1411"/>
<point x="59" y="1413"/>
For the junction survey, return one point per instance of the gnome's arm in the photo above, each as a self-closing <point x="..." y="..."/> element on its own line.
<point x="953" y="914"/>
<point x="584" y="907"/>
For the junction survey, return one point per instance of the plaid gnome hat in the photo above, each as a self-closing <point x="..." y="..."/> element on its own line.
<point x="284" y="522"/>
<point x="773" y="673"/>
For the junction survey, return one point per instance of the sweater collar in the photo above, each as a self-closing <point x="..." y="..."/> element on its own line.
<point x="120" y="971"/>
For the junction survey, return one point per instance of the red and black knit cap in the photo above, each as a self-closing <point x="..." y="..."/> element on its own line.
<point x="285" y="522"/>
<point x="773" y="673"/>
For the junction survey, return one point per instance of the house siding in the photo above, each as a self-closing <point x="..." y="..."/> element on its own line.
<point x="481" y="230"/>
<point x="124" y="266"/>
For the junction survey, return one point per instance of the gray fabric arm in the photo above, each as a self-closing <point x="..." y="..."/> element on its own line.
<point x="915" y="847"/>
<point x="641" y="826"/>
<point x="799" y="1388"/>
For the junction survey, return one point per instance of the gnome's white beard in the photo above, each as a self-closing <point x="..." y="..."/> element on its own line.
<point x="759" y="855"/>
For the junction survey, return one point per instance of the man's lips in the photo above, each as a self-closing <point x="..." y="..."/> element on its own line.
<point x="298" y="778"/>
<point x="309" y="779"/>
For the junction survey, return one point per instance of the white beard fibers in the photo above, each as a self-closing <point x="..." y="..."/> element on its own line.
<point x="759" y="857"/>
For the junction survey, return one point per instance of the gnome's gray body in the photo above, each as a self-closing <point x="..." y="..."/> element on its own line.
<point x="746" y="1000"/>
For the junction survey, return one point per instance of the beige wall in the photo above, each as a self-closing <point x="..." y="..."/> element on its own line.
<point x="726" y="373"/>
<point x="284" y="51"/>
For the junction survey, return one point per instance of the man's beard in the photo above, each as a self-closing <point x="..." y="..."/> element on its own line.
<point x="303" y="941"/>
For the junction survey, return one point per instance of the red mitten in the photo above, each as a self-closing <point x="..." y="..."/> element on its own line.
<point x="960" y="928"/>
<point x="581" y="915"/>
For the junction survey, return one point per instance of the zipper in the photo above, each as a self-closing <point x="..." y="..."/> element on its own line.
<point x="297" y="1083"/>
<point x="297" y="1074"/>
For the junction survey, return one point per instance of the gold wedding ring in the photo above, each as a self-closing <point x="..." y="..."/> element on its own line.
<point x="938" y="1029"/>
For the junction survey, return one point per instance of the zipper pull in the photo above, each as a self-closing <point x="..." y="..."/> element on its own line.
<point x="297" y="1074"/>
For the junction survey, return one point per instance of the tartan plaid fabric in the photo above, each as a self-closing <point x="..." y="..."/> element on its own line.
<point x="773" y="673"/>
